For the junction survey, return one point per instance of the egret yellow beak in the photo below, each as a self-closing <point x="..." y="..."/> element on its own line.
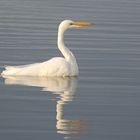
<point x="82" y="24"/>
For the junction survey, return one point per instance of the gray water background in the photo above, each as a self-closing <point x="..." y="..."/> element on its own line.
<point x="106" y="102"/>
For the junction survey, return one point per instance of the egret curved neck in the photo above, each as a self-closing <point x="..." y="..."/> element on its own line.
<point x="64" y="50"/>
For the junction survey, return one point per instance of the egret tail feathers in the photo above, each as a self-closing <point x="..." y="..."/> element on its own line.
<point x="10" y="70"/>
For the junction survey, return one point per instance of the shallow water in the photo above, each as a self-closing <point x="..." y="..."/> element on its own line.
<point x="103" y="102"/>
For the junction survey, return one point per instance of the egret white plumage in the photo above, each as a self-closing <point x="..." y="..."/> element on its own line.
<point x="57" y="66"/>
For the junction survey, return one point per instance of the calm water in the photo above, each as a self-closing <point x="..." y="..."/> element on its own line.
<point x="103" y="103"/>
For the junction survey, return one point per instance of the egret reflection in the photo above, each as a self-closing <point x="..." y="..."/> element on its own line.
<point x="64" y="87"/>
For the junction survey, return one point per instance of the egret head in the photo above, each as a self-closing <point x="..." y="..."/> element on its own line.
<point x="71" y="24"/>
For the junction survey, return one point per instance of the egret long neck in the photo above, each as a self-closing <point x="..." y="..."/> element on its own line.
<point x="64" y="50"/>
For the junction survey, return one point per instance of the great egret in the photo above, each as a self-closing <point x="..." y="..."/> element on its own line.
<point x="57" y="66"/>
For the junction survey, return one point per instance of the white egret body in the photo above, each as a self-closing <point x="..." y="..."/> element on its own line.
<point x="57" y="66"/>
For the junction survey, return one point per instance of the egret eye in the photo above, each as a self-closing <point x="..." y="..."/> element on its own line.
<point x="71" y="23"/>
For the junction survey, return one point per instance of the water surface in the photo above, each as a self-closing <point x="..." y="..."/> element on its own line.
<point x="103" y="102"/>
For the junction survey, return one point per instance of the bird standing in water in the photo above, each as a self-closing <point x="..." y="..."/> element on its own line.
<point x="57" y="66"/>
